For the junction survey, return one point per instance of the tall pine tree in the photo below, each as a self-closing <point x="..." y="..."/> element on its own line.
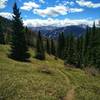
<point x="40" y="51"/>
<point x="19" y="49"/>
<point x="98" y="48"/>
<point x="86" y="52"/>
<point x="95" y="46"/>
<point x="61" y="46"/>
<point x="2" y="40"/>
<point x="71" y="50"/>
<point x="80" y="52"/>
<point x="66" y="50"/>
<point x="70" y="57"/>
<point x="53" y="49"/>
<point x="48" y="46"/>
<point x="92" y="47"/>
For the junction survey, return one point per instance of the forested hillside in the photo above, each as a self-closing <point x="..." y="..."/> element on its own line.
<point x="38" y="67"/>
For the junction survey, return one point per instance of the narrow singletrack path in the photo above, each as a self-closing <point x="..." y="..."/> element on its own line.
<point x="70" y="94"/>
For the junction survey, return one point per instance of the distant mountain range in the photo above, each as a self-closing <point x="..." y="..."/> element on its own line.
<point x="48" y="31"/>
<point x="53" y="32"/>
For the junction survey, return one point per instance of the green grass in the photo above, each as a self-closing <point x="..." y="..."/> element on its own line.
<point x="43" y="80"/>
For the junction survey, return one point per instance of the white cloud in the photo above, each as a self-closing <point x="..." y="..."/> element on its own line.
<point x="6" y="15"/>
<point x="51" y="21"/>
<point x="57" y="22"/>
<point x="56" y="10"/>
<point x="51" y="11"/>
<point x="3" y="3"/>
<point x="65" y="2"/>
<point x="42" y="1"/>
<point x="72" y="10"/>
<point x="68" y="3"/>
<point x="29" y="5"/>
<point x="89" y="4"/>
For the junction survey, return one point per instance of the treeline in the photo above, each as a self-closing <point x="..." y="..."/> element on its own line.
<point x="79" y="51"/>
<point x="83" y="51"/>
<point x="5" y="30"/>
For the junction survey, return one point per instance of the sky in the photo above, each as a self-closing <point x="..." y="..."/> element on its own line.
<point x="53" y="12"/>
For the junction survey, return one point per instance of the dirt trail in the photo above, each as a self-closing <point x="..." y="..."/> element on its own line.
<point x="64" y="75"/>
<point x="70" y="94"/>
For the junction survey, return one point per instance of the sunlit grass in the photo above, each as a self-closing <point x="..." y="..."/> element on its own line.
<point x="43" y="80"/>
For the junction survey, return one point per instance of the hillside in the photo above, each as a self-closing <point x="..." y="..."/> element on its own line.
<point x="6" y="24"/>
<point x="44" y="80"/>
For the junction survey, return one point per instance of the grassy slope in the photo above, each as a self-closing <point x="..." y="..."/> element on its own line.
<point x="44" y="80"/>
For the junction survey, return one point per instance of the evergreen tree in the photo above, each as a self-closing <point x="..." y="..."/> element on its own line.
<point x="87" y="41"/>
<point x="40" y="52"/>
<point x="19" y="49"/>
<point x="61" y="46"/>
<point x="53" y="49"/>
<point x="48" y="47"/>
<point x="27" y="38"/>
<point x="80" y="52"/>
<point x="95" y="46"/>
<point x="70" y="57"/>
<point x="71" y="50"/>
<point x="2" y="40"/>
<point x="92" y="47"/>
<point x="98" y="48"/>
<point x="66" y="50"/>
<point x="85" y="50"/>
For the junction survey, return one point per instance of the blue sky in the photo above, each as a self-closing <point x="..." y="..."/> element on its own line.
<point x="53" y="12"/>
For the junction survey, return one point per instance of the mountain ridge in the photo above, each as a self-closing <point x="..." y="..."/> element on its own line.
<point x="53" y="32"/>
